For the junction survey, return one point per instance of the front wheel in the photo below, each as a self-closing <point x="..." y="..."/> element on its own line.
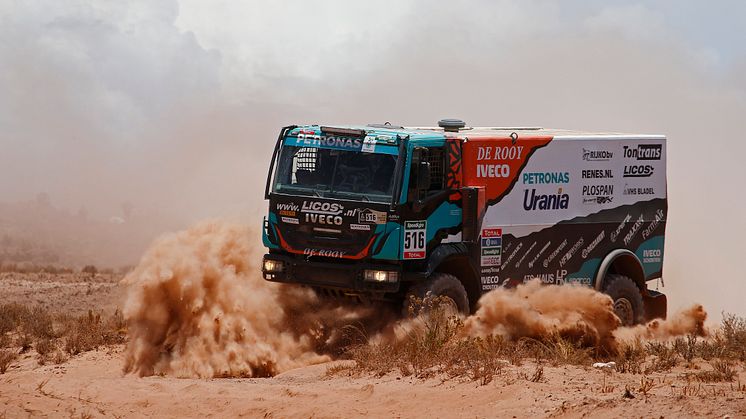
<point x="628" y="305"/>
<point x="443" y="285"/>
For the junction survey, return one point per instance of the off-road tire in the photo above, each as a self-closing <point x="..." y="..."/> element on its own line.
<point x="627" y="298"/>
<point x="439" y="284"/>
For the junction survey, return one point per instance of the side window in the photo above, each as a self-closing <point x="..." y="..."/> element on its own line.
<point x="436" y="158"/>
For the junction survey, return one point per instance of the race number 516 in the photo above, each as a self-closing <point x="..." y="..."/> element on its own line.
<point x="415" y="239"/>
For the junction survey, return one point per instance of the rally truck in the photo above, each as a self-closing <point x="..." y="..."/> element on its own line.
<point x="383" y="212"/>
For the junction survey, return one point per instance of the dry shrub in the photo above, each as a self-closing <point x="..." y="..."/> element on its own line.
<point x="7" y="357"/>
<point x="631" y="358"/>
<point x="721" y="371"/>
<point x="665" y="357"/>
<point x="88" y="332"/>
<point x="44" y="347"/>
<point x="10" y="316"/>
<point x="686" y="348"/>
<point x="733" y="329"/>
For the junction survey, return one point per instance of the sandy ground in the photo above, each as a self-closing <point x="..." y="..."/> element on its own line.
<point x="93" y="385"/>
<point x="74" y="293"/>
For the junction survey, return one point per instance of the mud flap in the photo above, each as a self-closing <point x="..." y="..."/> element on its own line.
<point x="656" y="305"/>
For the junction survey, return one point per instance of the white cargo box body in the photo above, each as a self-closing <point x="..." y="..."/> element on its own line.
<point x="567" y="201"/>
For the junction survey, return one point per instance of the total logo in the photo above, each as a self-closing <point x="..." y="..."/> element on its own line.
<point x="533" y="201"/>
<point x="643" y="152"/>
<point x="639" y="170"/>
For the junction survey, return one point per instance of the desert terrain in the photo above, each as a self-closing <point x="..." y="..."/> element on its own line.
<point x="193" y="331"/>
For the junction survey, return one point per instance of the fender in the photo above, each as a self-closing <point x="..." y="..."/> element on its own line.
<point x="632" y="267"/>
<point x="441" y="253"/>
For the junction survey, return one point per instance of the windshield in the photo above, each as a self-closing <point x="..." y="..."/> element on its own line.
<point x="335" y="173"/>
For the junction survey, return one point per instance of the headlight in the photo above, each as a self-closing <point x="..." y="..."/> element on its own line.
<point x="273" y="265"/>
<point x="380" y="276"/>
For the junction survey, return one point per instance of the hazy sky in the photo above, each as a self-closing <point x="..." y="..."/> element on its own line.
<point x="174" y="105"/>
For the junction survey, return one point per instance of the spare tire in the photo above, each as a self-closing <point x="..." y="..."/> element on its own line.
<point x="628" y="304"/>
<point x="440" y="284"/>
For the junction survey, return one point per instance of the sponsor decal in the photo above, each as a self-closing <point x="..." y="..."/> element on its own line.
<point x="592" y="245"/>
<point x="597" y="155"/>
<point x="512" y="152"/>
<point x="325" y="213"/>
<point x="512" y="254"/>
<point x="633" y="230"/>
<point x="369" y="145"/>
<point x="633" y="190"/>
<point x="289" y="220"/>
<point x="597" y="174"/>
<point x="493" y="170"/>
<point x="533" y="261"/>
<point x="556" y="277"/>
<point x="554" y="253"/>
<point x="288" y="210"/>
<point x="324" y="253"/>
<point x="491" y="246"/>
<point x="620" y="227"/>
<point x="525" y="254"/>
<point x="508" y="152"/>
<point x="580" y="280"/>
<point x="361" y="227"/>
<point x="490" y="282"/>
<point x="370" y="216"/>
<point x="326" y="141"/>
<point x="570" y="253"/>
<point x="539" y="178"/>
<point x="643" y="152"/>
<point x="653" y="224"/>
<point x="598" y="194"/>
<point x="639" y="170"/>
<point x="536" y="201"/>
<point x="497" y="163"/>
<point x="415" y="236"/>
<point x="652" y="256"/>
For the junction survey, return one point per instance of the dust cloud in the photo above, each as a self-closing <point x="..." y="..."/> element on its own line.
<point x="534" y="310"/>
<point x="197" y="306"/>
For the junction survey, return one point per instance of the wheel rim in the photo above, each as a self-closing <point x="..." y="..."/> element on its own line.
<point x="625" y="312"/>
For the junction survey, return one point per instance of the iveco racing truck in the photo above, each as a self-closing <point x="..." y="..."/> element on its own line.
<point x="381" y="212"/>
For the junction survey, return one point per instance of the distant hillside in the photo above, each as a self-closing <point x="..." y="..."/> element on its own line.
<point x="37" y="232"/>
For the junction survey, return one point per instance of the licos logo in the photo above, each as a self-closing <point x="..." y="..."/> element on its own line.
<point x="532" y="178"/>
<point x="643" y="152"/>
<point x="534" y="201"/>
<point x="638" y="170"/>
<point x="322" y="212"/>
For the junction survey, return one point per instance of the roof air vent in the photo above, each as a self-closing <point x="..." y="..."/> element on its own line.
<point x="451" y="125"/>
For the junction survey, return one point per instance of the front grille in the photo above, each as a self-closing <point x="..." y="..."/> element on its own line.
<point x="332" y="277"/>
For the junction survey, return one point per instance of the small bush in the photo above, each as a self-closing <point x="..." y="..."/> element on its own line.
<point x="7" y="357"/>
<point x="90" y="270"/>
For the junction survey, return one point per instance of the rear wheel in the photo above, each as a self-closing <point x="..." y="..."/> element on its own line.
<point x="628" y="305"/>
<point x="439" y="284"/>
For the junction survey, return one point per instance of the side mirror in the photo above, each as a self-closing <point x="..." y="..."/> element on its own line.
<point x="423" y="176"/>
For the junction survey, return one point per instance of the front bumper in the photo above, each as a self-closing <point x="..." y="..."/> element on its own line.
<point x="346" y="277"/>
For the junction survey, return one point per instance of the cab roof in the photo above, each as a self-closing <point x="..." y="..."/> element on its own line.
<point x="423" y="133"/>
